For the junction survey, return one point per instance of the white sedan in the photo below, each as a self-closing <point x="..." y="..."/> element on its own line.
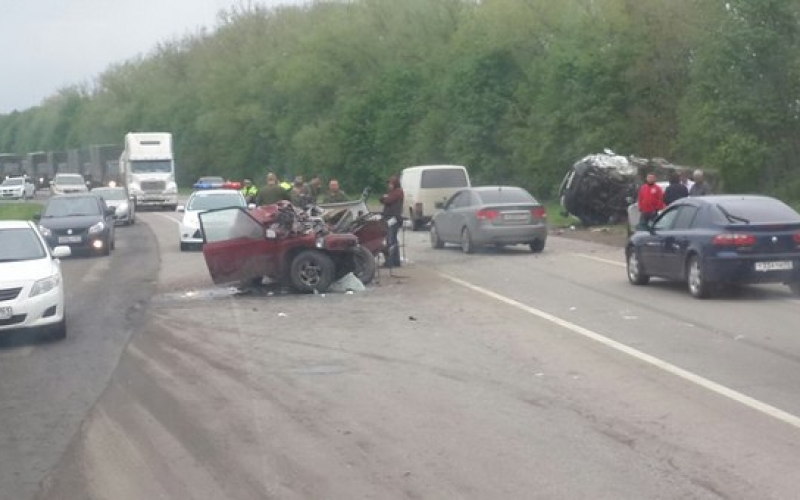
<point x="16" y="188"/>
<point x="31" y="285"/>
<point x="201" y="201"/>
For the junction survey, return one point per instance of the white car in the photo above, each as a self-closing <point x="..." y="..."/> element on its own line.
<point x="17" y="188"/>
<point x="68" y="183"/>
<point x="118" y="199"/>
<point x="201" y="201"/>
<point x="31" y="284"/>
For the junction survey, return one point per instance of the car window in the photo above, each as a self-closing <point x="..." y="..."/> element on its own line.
<point x="459" y="200"/>
<point x="64" y="207"/>
<point x="221" y="225"/>
<point x="758" y="210"/>
<point x="505" y="195"/>
<point x="437" y="178"/>
<point x="666" y="220"/>
<point x="208" y="202"/>
<point x="685" y="217"/>
<point x="20" y="244"/>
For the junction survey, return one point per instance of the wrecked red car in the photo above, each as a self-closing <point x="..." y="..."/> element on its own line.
<point x="307" y="251"/>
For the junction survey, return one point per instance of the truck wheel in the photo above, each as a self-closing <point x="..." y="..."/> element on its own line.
<point x="363" y="265"/>
<point x="311" y="271"/>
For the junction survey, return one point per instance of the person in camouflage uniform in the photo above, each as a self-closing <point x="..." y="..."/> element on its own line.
<point x="334" y="194"/>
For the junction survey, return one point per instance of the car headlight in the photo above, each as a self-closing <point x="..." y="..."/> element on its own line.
<point x="97" y="228"/>
<point x="45" y="231"/>
<point x="172" y="188"/>
<point x="45" y="285"/>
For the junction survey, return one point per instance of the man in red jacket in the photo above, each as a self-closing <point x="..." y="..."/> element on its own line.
<point x="650" y="200"/>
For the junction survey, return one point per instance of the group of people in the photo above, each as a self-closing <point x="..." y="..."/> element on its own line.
<point x="299" y="193"/>
<point x="302" y="194"/>
<point x="652" y="199"/>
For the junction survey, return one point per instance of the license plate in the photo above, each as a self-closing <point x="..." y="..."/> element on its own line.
<point x="515" y="217"/>
<point x="6" y="312"/>
<point x="69" y="239"/>
<point x="780" y="265"/>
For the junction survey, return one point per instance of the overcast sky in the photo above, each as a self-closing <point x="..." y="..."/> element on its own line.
<point x="46" y="45"/>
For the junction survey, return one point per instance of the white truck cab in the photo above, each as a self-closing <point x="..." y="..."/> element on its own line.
<point x="147" y="166"/>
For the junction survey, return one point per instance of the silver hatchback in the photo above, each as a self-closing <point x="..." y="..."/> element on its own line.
<point x="490" y="215"/>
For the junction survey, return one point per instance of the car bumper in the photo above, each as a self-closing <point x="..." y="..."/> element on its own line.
<point x="509" y="235"/>
<point x="190" y="234"/>
<point x="743" y="270"/>
<point x="11" y="195"/>
<point x="122" y="218"/>
<point x="156" y="199"/>
<point x="87" y="242"/>
<point x="40" y="311"/>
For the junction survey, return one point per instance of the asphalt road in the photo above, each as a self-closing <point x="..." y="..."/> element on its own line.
<point x="47" y="388"/>
<point x="497" y="375"/>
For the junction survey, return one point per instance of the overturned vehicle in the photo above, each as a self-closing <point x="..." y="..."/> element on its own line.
<point x="598" y="188"/>
<point x="304" y="250"/>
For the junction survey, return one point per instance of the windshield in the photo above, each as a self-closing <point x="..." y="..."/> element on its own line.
<point x="65" y="207"/>
<point x="436" y="178"/>
<point x="20" y="244"/>
<point x="69" y="180"/>
<point x="111" y="194"/>
<point x="211" y="201"/>
<point x="506" y="195"/>
<point x="753" y="211"/>
<point x="12" y="182"/>
<point x="151" y="166"/>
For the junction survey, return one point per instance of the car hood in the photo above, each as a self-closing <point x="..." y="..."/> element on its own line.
<point x="190" y="218"/>
<point x="115" y="203"/>
<point x="71" y="222"/>
<point x="19" y="272"/>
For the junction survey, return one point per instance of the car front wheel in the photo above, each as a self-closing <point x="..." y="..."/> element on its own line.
<point x="311" y="271"/>
<point x="635" y="273"/>
<point x="436" y="241"/>
<point x="696" y="281"/>
<point x="795" y="288"/>
<point x="364" y="265"/>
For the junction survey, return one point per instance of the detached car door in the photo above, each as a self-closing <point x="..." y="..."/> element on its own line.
<point x="236" y="249"/>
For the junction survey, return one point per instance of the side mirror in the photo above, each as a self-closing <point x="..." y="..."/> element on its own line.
<point x="180" y="208"/>
<point x="61" y="252"/>
<point x="110" y="211"/>
<point x="37" y="217"/>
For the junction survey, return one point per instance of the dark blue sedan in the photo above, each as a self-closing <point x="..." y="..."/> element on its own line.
<point x="713" y="241"/>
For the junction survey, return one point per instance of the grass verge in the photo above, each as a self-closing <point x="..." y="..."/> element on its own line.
<point x="16" y="211"/>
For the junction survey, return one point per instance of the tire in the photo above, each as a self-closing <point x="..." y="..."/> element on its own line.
<point x="113" y="244"/>
<point x="695" y="278"/>
<point x="364" y="265"/>
<point x="436" y="241"/>
<point x="634" y="268"/>
<point x="59" y="330"/>
<point x="467" y="245"/>
<point x="184" y="246"/>
<point x="795" y="288"/>
<point x="417" y="224"/>
<point x="537" y="246"/>
<point x="311" y="271"/>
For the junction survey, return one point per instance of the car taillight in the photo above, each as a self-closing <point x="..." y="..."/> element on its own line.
<point x="734" y="239"/>
<point x="796" y="238"/>
<point x="487" y="214"/>
<point x="539" y="212"/>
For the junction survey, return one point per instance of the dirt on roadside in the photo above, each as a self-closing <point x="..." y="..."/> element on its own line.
<point x="607" y="235"/>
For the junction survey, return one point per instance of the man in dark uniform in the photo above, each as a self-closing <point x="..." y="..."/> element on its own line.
<point x="271" y="193"/>
<point x="393" y="215"/>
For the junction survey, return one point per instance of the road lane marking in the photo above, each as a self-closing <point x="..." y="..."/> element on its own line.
<point x="176" y="221"/>
<point x="698" y="380"/>
<point x="600" y="259"/>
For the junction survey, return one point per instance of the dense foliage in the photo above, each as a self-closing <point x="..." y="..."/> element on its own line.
<point x="517" y="90"/>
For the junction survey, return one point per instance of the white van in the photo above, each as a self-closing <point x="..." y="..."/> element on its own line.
<point x="427" y="188"/>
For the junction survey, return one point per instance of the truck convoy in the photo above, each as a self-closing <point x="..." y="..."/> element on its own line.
<point x="148" y="167"/>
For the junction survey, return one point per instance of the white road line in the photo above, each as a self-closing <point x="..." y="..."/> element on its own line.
<point x="176" y="221"/>
<point x="639" y="355"/>
<point x="600" y="259"/>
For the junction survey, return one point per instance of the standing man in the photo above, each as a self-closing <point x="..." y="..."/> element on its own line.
<point x="249" y="191"/>
<point x="700" y="187"/>
<point x="315" y="187"/>
<point x="392" y="203"/>
<point x="299" y="195"/>
<point x="334" y="194"/>
<point x="271" y="193"/>
<point x="675" y="190"/>
<point x="650" y="200"/>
